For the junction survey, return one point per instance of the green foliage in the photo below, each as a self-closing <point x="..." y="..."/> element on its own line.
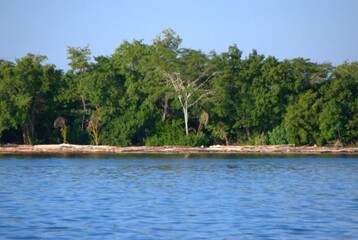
<point x="352" y="130"/>
<point x="163" y="94"/>
<point x="64" y="134"/>
<point x="79" y="58"/>
<point x="278" y="136"/>
<point x="340" y="105"/>
<point x="7" y="118"/>
<point x="203" y="121"/>
<point x="187" y="74"/>
<point x="76" y="134"/>
<point x="166" y="133"/>
<point x="331" y="124"/>
<point x="27" y="91"/>
<point x="172" y="134"/>
<point x="93" y="126"/>
<point x="301" y="120"/>
<point x="219" y="133"/>
<point x="258" y="139"/>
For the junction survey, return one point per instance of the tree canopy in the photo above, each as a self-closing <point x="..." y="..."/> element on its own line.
<point x="163" y="94"/>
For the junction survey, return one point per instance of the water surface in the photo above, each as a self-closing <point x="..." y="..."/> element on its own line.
<point x="178" y="197"/>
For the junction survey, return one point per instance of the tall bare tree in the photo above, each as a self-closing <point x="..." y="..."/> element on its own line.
<point x="189" y="91"/>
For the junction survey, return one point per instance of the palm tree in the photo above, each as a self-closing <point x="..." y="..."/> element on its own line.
<point x="60" y="122"/>
<point x="93" y="125"/>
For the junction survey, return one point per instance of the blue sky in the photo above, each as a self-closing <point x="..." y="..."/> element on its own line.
<point x="321" y="30"/>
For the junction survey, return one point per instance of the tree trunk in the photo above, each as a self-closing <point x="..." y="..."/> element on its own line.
<point x="185" y="109"/>
<point x="82" y="99"/>
<point x="248" y="133"/>
<point x="28" y="129"/>
<point x="26" y="134"/>
<point x="32" y="124"/>
<point x="96" y="135"/>
<point x="165" y="107"/>
<point x="226" y="141"/>
<point x="84" y="110"/>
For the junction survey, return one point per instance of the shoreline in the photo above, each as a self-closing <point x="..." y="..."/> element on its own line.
<point x="102" y="149"/>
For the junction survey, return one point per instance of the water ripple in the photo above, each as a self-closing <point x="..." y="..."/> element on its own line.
<point x="171" y="197"/>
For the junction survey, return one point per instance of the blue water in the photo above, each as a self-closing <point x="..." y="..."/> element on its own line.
<point x="178" y="197"/>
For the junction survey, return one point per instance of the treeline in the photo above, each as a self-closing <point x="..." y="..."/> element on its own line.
<point x="163" y="94"/>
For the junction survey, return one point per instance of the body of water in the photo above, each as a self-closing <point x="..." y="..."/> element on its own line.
<point x="178" y="197"/>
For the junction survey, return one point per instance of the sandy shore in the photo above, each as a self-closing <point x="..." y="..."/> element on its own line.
<point x="71" y="148"/>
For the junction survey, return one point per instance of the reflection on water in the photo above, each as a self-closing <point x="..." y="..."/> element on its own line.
<point x="178" y="197"/>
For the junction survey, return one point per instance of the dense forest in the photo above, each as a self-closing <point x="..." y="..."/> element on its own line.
<point x="163" y="94"/>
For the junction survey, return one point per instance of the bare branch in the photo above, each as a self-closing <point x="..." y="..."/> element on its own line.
<point x="203" y="75"/>
<point x="199" y="98"/>
<point x="206" y="80"/>
<point x="187" y="88"/>
<point x="180" y="100"/>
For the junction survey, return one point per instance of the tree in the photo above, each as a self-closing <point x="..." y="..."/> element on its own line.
<point x="246" y="104"/>
<point x="225" y="94"/>
<point x="203" y="121"/>
<point x="308" y="75"/>
<point x="29" y="88"/>
<point x="235" y="95"/>
<point x="346" y="76"/>
<point x="134" y="115"/>
<point x="162" y="93"/>
<point x="186" y="71"/>
<point x="164" y="53"/>
<point x="60" y="123"/>
<point x="94" y="125"/>
<point x="80" y="62"/>
<point x="189" y="88"/>
<point x="301" y="119"/>
<point x="7" y="106"/>
<point x="338" y="117"/>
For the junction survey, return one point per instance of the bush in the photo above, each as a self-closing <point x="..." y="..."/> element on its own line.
<point x="173" y="134"/>
<point x="197" y="140"/>
<point x="278" y="136"/>
<point x="258" y="139"/>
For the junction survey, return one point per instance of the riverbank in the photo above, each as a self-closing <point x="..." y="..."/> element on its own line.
<point x="87" y="149"/>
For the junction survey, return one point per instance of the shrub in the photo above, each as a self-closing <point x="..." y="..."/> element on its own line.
<point x="172" y="133"/>
<point x="258" y="139"/>
<point x="278" y="136"/>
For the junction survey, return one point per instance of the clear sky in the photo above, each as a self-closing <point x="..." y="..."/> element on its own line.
<point x="321" y="30"/>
